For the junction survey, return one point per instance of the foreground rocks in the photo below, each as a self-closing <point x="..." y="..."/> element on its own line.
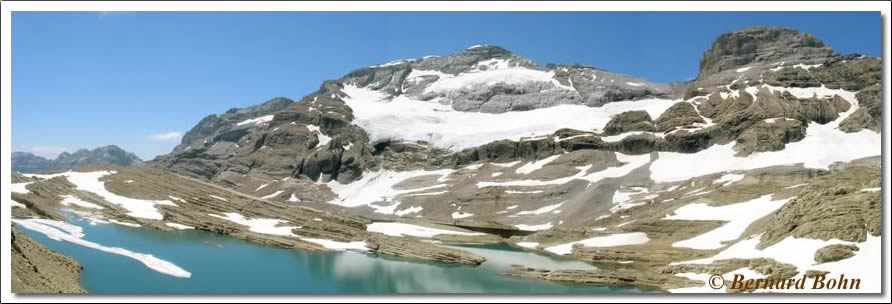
<point x="37" y="269"/>
<point x="833" y="206"/>
<point x="621" y="276"/>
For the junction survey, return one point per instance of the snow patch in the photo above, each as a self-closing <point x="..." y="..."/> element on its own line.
<point x="19" y="188"/>
<point x="409" y="210"/>
<point x="542" y="210"/>
<point x="535" y="165"/>
<point x="89" y="181"/>
<point x="178" y="226"/>
<point x="402" y="229"/>
<point x="524" y="227"/>
<point x="619" y="239"/>
<point x="739" y="216"/>
<point x="405" y="119"/>
<point x="68" y="200"/>
<point x="273" y="195"/>
<point x="254" y="121"/>
<point x="728" y="179"/>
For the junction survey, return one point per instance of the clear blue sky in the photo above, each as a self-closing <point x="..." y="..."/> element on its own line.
<point x="82" y="80"/>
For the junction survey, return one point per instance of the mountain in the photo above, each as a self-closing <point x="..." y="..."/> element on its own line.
<point x="756" y="90"/>
<point x="25" y="162"/>
<point x="768" y="163"/>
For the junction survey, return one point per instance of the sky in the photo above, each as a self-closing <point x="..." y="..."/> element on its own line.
<point x="140" y="80"/>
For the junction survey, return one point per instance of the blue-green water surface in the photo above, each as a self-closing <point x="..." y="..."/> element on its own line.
<point x="221" y="264"/>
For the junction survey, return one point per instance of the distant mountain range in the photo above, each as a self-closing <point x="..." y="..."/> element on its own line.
<point x="25" y="162"/>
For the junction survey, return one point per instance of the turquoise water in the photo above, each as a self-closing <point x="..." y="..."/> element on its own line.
<point x="221" y="264"/>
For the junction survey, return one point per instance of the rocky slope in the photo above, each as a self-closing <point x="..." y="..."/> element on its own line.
<point x="36" y="269"/>
<point x="25" y="162"/>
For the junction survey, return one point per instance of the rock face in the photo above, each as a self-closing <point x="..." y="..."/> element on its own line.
<point x="760" y="45"/>
<point x="39" y="270"/>
<point x="629" y="121"/>
<point x="621" y="276"/>
<point x="834" y="253"/>
<point x="232" y="125"/>
<point x="25" y="162"/>
<point x="832" y="207"/>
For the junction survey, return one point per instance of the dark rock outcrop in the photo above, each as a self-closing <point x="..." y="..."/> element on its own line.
<point x="629" y="121"/>
<point x="832" y="253"/>
<point x="678" y="115"/>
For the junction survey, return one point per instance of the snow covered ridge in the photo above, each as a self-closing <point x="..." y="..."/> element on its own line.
<point x="90" y="182"/>
<point x="403" y="118"/>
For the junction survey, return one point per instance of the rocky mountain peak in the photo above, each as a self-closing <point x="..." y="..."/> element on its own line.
<point x="234" y="118"/>
<point x="25" y="162"/>
<point x="762" y="46"/>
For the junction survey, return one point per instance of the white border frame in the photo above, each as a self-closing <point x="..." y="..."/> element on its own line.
<point x="5" y="87"/>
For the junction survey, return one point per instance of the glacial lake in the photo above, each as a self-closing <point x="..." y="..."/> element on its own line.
<point x="221" y="264"/>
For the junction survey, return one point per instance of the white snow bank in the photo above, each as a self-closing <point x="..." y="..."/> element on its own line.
<point x="178" y="226"/>
<point x="49" y="228"/>
<point x="459" y="215"/>
<point x="619" y="239"/>
<point x="739" y="217"/>
<point x="728" y="179"/>
<point x="323" y="139"/>
<point x="743" y="69"/>
<point x="379" y="186"/>
<point x="531" y="245"/>
<point x="274" y="194"/>
<point x="631" y="162"/>
<point x="536" y="165"/>
<point x="500" y="74"/>
<point x="542" y="210"/>
<point x="259" y="225"/>
<point x="806" y="66"/>
<point x="271" y="226"/>
<point x="409" y="210"/>
<point x="525" y="227"/>
<point x="219" y="198"/>
<point x="339" y="246"/>
<point x="402" y="229"/>
<point x="258" y="120"/>
<point x="413" y="120"/>
<point x="129" y="224"/>
<point x="89" y="181"/>
<point x="19" y="188"/>
<point x="68" y="200"/>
